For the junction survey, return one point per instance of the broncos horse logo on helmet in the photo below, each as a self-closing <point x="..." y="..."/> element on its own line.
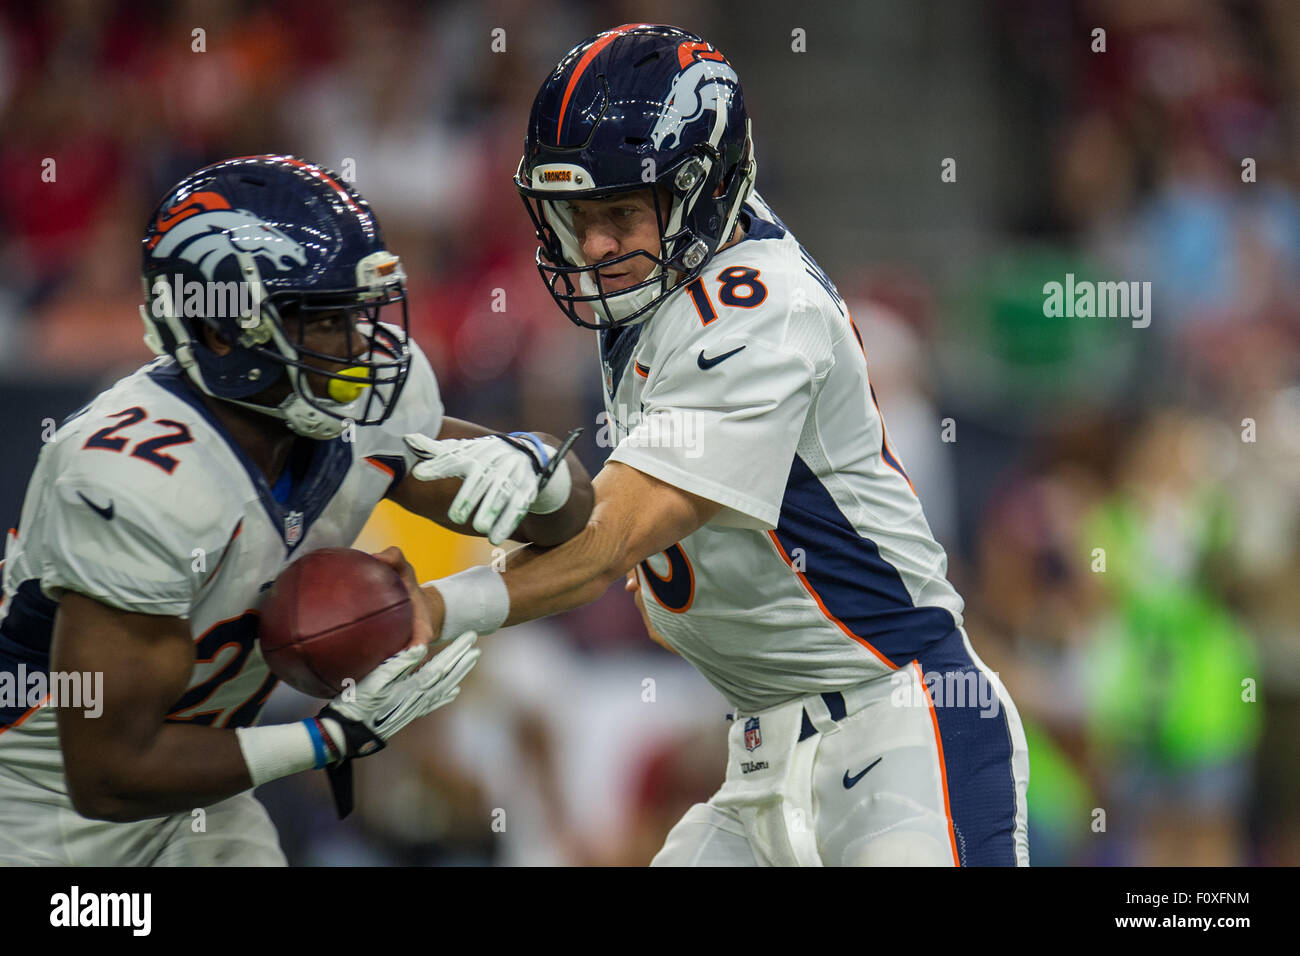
<point x="304" y="242"/>
<point x="208" y="237"/>
<point x="639" y="105"/>
<point x="705" y="84"/>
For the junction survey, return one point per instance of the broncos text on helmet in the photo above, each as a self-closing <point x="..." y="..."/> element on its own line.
<point x="253" y="248"/>
<point x="634" y="107"/>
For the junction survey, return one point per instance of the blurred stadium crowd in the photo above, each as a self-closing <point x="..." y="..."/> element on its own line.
<point x="1121" y="505"/>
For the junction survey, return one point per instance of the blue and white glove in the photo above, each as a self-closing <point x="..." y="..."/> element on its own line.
<point x="504" y="477"/>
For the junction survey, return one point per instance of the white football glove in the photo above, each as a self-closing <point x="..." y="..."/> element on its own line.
<point x="395" y="693"/>
<point x="360" y="721"/>
<point x="501" y="475"/>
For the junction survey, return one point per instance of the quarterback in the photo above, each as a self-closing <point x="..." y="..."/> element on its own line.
<point x="271" y="425"/>
<point x="778" y="545"/>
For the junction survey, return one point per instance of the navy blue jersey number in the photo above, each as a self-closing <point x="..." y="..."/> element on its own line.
<point x="676" y="592"/>
<point x="148" y="450"/>
<point x="732" y="281"/>
<point x="241" y="634"/>
<point x="104" y="438"/>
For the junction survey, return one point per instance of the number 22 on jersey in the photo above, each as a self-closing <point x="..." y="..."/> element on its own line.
<point x="148" y="449"/>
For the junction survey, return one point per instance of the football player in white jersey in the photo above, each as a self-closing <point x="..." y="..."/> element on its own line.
<point x="772" y="534"/>
<point x="270" y="426"/>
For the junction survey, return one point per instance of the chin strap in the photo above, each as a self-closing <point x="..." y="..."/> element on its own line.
<point x="298" y="416"/>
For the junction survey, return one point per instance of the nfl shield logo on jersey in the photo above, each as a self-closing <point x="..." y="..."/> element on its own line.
<point x="292" y="528"/>
<point x="752" y="737"/>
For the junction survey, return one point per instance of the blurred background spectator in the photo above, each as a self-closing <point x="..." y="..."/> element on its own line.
<point x="1121" y="505"/>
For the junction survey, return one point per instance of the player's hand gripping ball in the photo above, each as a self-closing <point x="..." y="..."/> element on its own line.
<point x="333" y="614"/>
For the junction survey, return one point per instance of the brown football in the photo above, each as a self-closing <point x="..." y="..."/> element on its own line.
<point x="333" y="614"/>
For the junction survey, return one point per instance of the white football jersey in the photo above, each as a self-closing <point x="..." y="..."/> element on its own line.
<point x="143" y="502"/>
<point x="749" y="387"/>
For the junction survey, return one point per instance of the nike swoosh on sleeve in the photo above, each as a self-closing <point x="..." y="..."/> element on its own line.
<point x="849" y="782"/>
<point x="708" y="363"/>
<point x="105" y="513"/>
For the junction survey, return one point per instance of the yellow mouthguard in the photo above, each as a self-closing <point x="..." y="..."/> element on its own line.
<point x="342" y="391"/>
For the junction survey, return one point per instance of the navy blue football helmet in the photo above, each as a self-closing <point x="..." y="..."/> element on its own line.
<point x="255" y="248"/>
<point x="634" y="107"/>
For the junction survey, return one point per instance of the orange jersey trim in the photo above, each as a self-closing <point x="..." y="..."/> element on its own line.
<point x="803" y="579"/>
<point x="27" y="713"/>
<point x="382" y="467"/>
<point x="943" y="768"/>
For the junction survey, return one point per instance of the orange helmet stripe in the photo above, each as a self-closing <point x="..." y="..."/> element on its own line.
<point x="605" y="40"/>
<point x="343" y="193"/>
<point x="319" y="171"/>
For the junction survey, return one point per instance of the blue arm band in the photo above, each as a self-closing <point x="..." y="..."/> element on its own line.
<point x="317" y="743"/>
<point x="542" y="453"/>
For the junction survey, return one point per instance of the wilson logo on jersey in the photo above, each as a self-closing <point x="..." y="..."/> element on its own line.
<point x="206" y="231"/>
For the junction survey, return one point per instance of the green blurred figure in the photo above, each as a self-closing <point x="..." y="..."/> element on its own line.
<point x="1174" y="714"/>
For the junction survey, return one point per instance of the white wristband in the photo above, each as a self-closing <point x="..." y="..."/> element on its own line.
<point x="556" y="493"/>
<point x="473" y="600"/>
<point x="277" y="750"/>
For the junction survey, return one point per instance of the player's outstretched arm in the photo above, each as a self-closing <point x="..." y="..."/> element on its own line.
<point x="634" y="517"/>
<point x="128" y="763"/>
<point x="473" y="482"/>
